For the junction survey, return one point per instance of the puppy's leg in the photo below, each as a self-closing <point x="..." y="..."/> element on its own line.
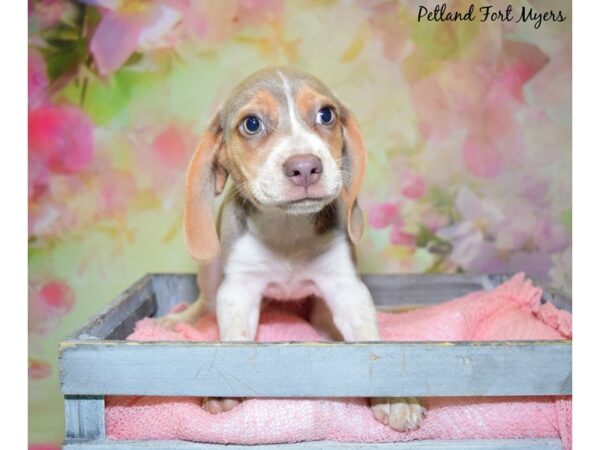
<point x="208" y="279"/>
<point x="354" y="316"/>
<point x="351" y="306"/>
<point x="322" y="320"/>
<point x="238" y="309"/>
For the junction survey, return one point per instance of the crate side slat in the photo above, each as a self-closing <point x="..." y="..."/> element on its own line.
<point x="387" y="290"/>
<point x="317" y="369"/>
<point x="171" y="289"/>
<point x="119" y="329"/>
<point x="421" y="290"/>
<point x="557" y="298"/>
<point x="470" y="444"/>
<point x="84" y="417"/>
<point x="117" y="319"/>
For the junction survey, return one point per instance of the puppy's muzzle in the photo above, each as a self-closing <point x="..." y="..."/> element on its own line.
<point x="303" y="170"/>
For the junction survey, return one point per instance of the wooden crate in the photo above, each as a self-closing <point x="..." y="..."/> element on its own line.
<point x="96" y="361"/>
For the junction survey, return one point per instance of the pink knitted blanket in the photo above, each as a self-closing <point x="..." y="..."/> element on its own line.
<point x="511" y="311"/>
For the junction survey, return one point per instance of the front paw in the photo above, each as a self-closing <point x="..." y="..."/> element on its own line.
<point x="216" y="405"/>
<point x="170" y="321"/>
<point x="400" y="414"/>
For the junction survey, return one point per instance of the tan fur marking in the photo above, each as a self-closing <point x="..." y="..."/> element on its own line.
<point x="309" y="102"/>
<point x="357" y="156"/>
<point x="205" y="178"/>
<point x="262" y="104"/>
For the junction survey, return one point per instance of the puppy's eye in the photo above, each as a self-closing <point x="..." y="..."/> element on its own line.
<point x="325" y="116"/>
<point x="251" y="125"/>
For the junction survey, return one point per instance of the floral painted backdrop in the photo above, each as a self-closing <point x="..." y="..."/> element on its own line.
<point x="468" y="128"/>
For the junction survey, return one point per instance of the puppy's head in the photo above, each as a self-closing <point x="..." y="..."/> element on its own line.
<point x="287" y="143"/>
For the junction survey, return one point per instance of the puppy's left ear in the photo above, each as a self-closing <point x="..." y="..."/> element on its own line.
<point x="354" y="165"/>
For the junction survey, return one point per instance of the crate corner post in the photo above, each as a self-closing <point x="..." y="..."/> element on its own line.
<point x="84" y="419"/>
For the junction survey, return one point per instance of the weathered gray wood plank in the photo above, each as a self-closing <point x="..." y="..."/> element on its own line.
<point x="475" y="444"/>
<point x="386" y="289"/>
<point x="84" y="417"/>
<point x="333" y="369"/>
<point x="422" y="290"/>
<point x="171" y="289"/>
<point x="117" y="320"/>
<point x="557" y="298"/>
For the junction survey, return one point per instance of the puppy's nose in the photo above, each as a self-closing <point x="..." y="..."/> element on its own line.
<point x="303" y="170"/>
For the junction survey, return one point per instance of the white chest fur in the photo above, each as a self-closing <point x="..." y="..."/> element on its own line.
<point x="293" y="272"/>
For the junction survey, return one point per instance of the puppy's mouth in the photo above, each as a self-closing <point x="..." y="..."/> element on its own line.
<point x="305" y="205"/>
<point x="307" y="199"/>
<point x="294" y="200"/>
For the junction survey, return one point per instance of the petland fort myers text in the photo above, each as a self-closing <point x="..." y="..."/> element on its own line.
<point x="441" y="13"/>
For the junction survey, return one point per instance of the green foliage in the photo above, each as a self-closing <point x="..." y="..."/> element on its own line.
<point x="66" y="50"/>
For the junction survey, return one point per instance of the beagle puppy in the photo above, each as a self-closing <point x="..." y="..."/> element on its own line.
<point x="288" y="225"/>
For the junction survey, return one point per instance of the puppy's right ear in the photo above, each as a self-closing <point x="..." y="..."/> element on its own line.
<point x="356" y="157"/>
<point x="205" y="178"/>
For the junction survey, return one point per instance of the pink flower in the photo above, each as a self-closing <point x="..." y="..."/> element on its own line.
<point x="219" y="21"/>
<point x="61" y="138"/>
<point x="383" y="17"/>
<point x="256" y="12"/>
<point x="38" y="370"/>
<point x="172" y="148"/>
<point x="49" y="301"/>
<point x="479" y="100"/>
<point x="37" y="79"/>
<point x="56" y="295"/>
<point x="523" y="61"/>
<point x="127" y="26"/>
<point x="116" y="38"/>
<point x="115" y="191"/>
<point x="47" y="13"/>
<point x="494" y="141"/>
<point x="449" y="99"/>
<point x="413" y="186"/>
<point x="163" y="155"/>
<point x="38" y="181"/>
<point x="402" y="238"/>
<point x="481" y="156"/>
<point x="382" y="215"/>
